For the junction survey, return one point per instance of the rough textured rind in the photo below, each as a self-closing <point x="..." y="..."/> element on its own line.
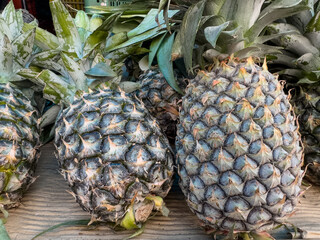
<point x="113" y="154"/>
<point x="238" y="148"/>
<point x="19" y="145"/>
<point x="161" y="100"/>
<point x="307" y="108"/>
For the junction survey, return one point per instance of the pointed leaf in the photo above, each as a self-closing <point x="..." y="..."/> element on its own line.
<point x="100" y="34"/>
<point x="149" y="22"/>
<point x="189" y="29"/>
<point x="165" y="63"/>
<point x="22" y="47"/>
<point x="98" y="59"/>
<point x="115" y="40"/>
<point x="56" y="88"/>
<point x="273" y="14"/>
<point x="101" y="70"/>
<point x="6" y="58"/>
<point x="82" y="20"/>
<point x="75" y="72"/>
<point x="154" y="46"/>
<point x="95" y="22"/>
<point x="5" y="29"/>
<point x="44" y="39"/>
<point x="65" y="28"/>
<point x="140" y="38"/>
<point x="11" y="17"/>
<point x="212" y="33"/>
<point x="49" y="116"/>
<point x="309" y="62"/>
<point x="3" y="232"/>
<point x="49" y="60"/>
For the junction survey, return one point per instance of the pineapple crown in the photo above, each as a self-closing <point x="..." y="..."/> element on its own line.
<point x="300" y="40"/>
<point x="208" y="28"/>
<point x="72" y="61"/>
<point x="237" y="27"/>
<point x="16" y="46"/>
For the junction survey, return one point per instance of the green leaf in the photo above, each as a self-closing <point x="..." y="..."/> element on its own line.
<point x="65" y="28"/>
<point x="154" y="46"/>
<point x="149" y="22"/>
<point x="176" y="47"/>
<point x="10" y="15"/>
<point x="140" y="38"/>
<point x="49" y="60"/>
<point x="136" y="233"/>
<point x="165" y="63"/>
<point x="56" y="87"/>
<point x="95" y="22"/>
<point x="276" y="10"/>
<point x="82" y="20"/>
<point x="67" y="223"/>
<point x="309" y="62"/>
<point x="4" y="28"/>
<point x="50" y="116"/>
<point x="128" y="222"/>
<point x="212" y="33"/>
<point x="6" y="58"/>
<point x="100" y="34"/>
<point x="115" y="40"/>
<point x="3" y="232"/>
<point x="189" y="29"/>
<point x="44" y="39"/>
<point x="247" y="12"/>
<point x="22" y="47"/>
<point x="31" y="74"/>
<point x="75" y="72"/>
<point x="101" y="70"/>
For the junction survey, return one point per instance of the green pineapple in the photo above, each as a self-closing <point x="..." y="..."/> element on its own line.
<point x="111" y="151"/>
<point x="19" y="128"/>
<point x="238" y="147"/>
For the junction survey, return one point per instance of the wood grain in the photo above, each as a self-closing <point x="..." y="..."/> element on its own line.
<point x="48" y="203"/>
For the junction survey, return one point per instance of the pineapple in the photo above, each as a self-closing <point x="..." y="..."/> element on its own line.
<point x="238" y="148"/>
<point x="161" y="100"/>
<point x="110" y="150"/>
<point x="302" y="60"/>
<point x="239" y="151"/>
<point x="19" y="129"/>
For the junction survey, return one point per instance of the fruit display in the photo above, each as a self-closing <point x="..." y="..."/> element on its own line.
<point x="19" y="128"/>
<point x="135" y="93"/>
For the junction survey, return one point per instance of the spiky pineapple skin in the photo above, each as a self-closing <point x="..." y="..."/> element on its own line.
<point x="113" y="154"/>
<point x="19" y="145"/>
<point x="238" y="148"/>
<point x="161" y="100"/>
<point x="307" y="108"/>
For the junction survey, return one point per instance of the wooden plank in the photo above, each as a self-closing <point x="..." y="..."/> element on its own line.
<point x="48" y="203"/>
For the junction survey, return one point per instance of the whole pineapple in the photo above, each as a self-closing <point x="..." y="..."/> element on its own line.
<point x="19" y="129"/>
<point x="114" y="156"/>
<point x="111" y="151"/>
<point x="238" y="146"/>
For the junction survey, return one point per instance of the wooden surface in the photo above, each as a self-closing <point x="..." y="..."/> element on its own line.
<point x="48" y="203"/>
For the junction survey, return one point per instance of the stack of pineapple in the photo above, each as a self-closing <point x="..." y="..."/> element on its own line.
<point x="238" y="147"/>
